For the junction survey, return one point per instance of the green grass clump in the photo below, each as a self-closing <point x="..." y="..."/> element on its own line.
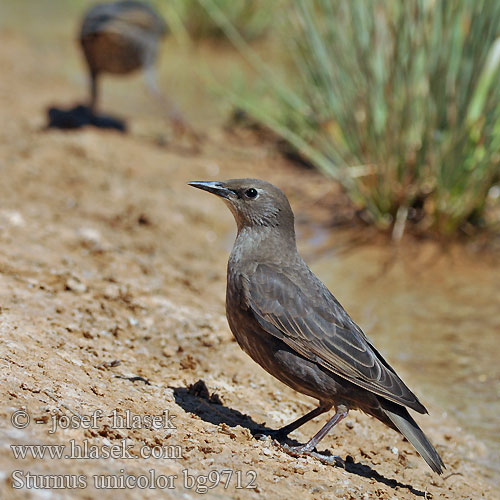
<point x="398" y="100"/>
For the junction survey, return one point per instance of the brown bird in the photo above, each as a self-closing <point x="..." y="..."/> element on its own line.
<point x="122" y="37"/>
<point x="286" y="319"/>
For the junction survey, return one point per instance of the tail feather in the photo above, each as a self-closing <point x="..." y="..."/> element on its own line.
<point x="403" y="421"/>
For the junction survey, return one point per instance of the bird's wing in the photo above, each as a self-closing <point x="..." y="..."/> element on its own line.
<point x="312" y="322"/>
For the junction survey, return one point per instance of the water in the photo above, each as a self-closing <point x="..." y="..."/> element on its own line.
<point x="436" y="317"/>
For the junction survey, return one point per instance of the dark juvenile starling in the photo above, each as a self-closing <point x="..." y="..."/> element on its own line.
<point x="286" y="319"/>
<point x="122" y="37"/>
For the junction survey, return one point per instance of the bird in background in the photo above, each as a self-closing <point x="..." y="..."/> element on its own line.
<point x="288" y="321"/>
<point x="120" y="38"/>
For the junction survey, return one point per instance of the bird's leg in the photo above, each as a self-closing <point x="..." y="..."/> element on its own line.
<point x="322" y="408"/>
<point x="93" y="92"/>
<point x="311" y="444"/>
<point x="284" y="431"/>
<point x="174" y="114"/>
<point x="308" y="448"/>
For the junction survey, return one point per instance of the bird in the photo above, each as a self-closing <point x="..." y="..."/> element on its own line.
<point x="288" y="321"/>
<point x="121" y="37"/>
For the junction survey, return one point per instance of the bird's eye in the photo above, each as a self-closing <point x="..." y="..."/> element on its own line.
<point x="251" y="193"/>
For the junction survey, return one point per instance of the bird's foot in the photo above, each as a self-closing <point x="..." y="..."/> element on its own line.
<point x="302" y="450"/>
<point x="328" y="459"/>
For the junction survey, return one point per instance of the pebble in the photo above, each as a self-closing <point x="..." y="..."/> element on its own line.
<point x="75" y="285"/>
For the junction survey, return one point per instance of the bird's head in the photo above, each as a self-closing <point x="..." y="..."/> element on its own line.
<point x="254" y="203"/>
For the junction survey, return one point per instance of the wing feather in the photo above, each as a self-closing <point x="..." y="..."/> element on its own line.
<point x="312" y="322"/>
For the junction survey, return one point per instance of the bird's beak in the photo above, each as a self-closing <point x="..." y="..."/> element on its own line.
<point x="213" y="187"/>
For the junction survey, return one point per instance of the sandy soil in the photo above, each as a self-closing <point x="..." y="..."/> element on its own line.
<point x="112" y="279"/>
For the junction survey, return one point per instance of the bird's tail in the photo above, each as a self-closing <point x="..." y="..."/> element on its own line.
<point x="403" y="421"/>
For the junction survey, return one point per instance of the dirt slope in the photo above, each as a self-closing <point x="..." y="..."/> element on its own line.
<point x="112" y="277"/>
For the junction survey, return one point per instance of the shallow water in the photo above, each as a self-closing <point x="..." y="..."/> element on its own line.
<point x="436" y="317"/>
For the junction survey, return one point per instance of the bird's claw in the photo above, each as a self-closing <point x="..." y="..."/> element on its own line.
<point x="295" y="451"/>
<point x="299" y="451"/>
<point x="328" y="459"/>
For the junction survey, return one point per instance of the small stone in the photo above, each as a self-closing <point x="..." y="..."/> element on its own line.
<point x="75" y="285"/>
<point x="168" y="352"/>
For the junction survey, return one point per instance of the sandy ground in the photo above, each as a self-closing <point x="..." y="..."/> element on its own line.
<point x="112" y="280"/>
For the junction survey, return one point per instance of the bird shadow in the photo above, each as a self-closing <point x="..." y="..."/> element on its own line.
<point x="196" y="399"/>
<point x="81" y="116"/>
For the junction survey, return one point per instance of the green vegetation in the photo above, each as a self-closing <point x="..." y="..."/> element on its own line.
<point x="398" y="100"/>
<point x="251" y="17"/>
